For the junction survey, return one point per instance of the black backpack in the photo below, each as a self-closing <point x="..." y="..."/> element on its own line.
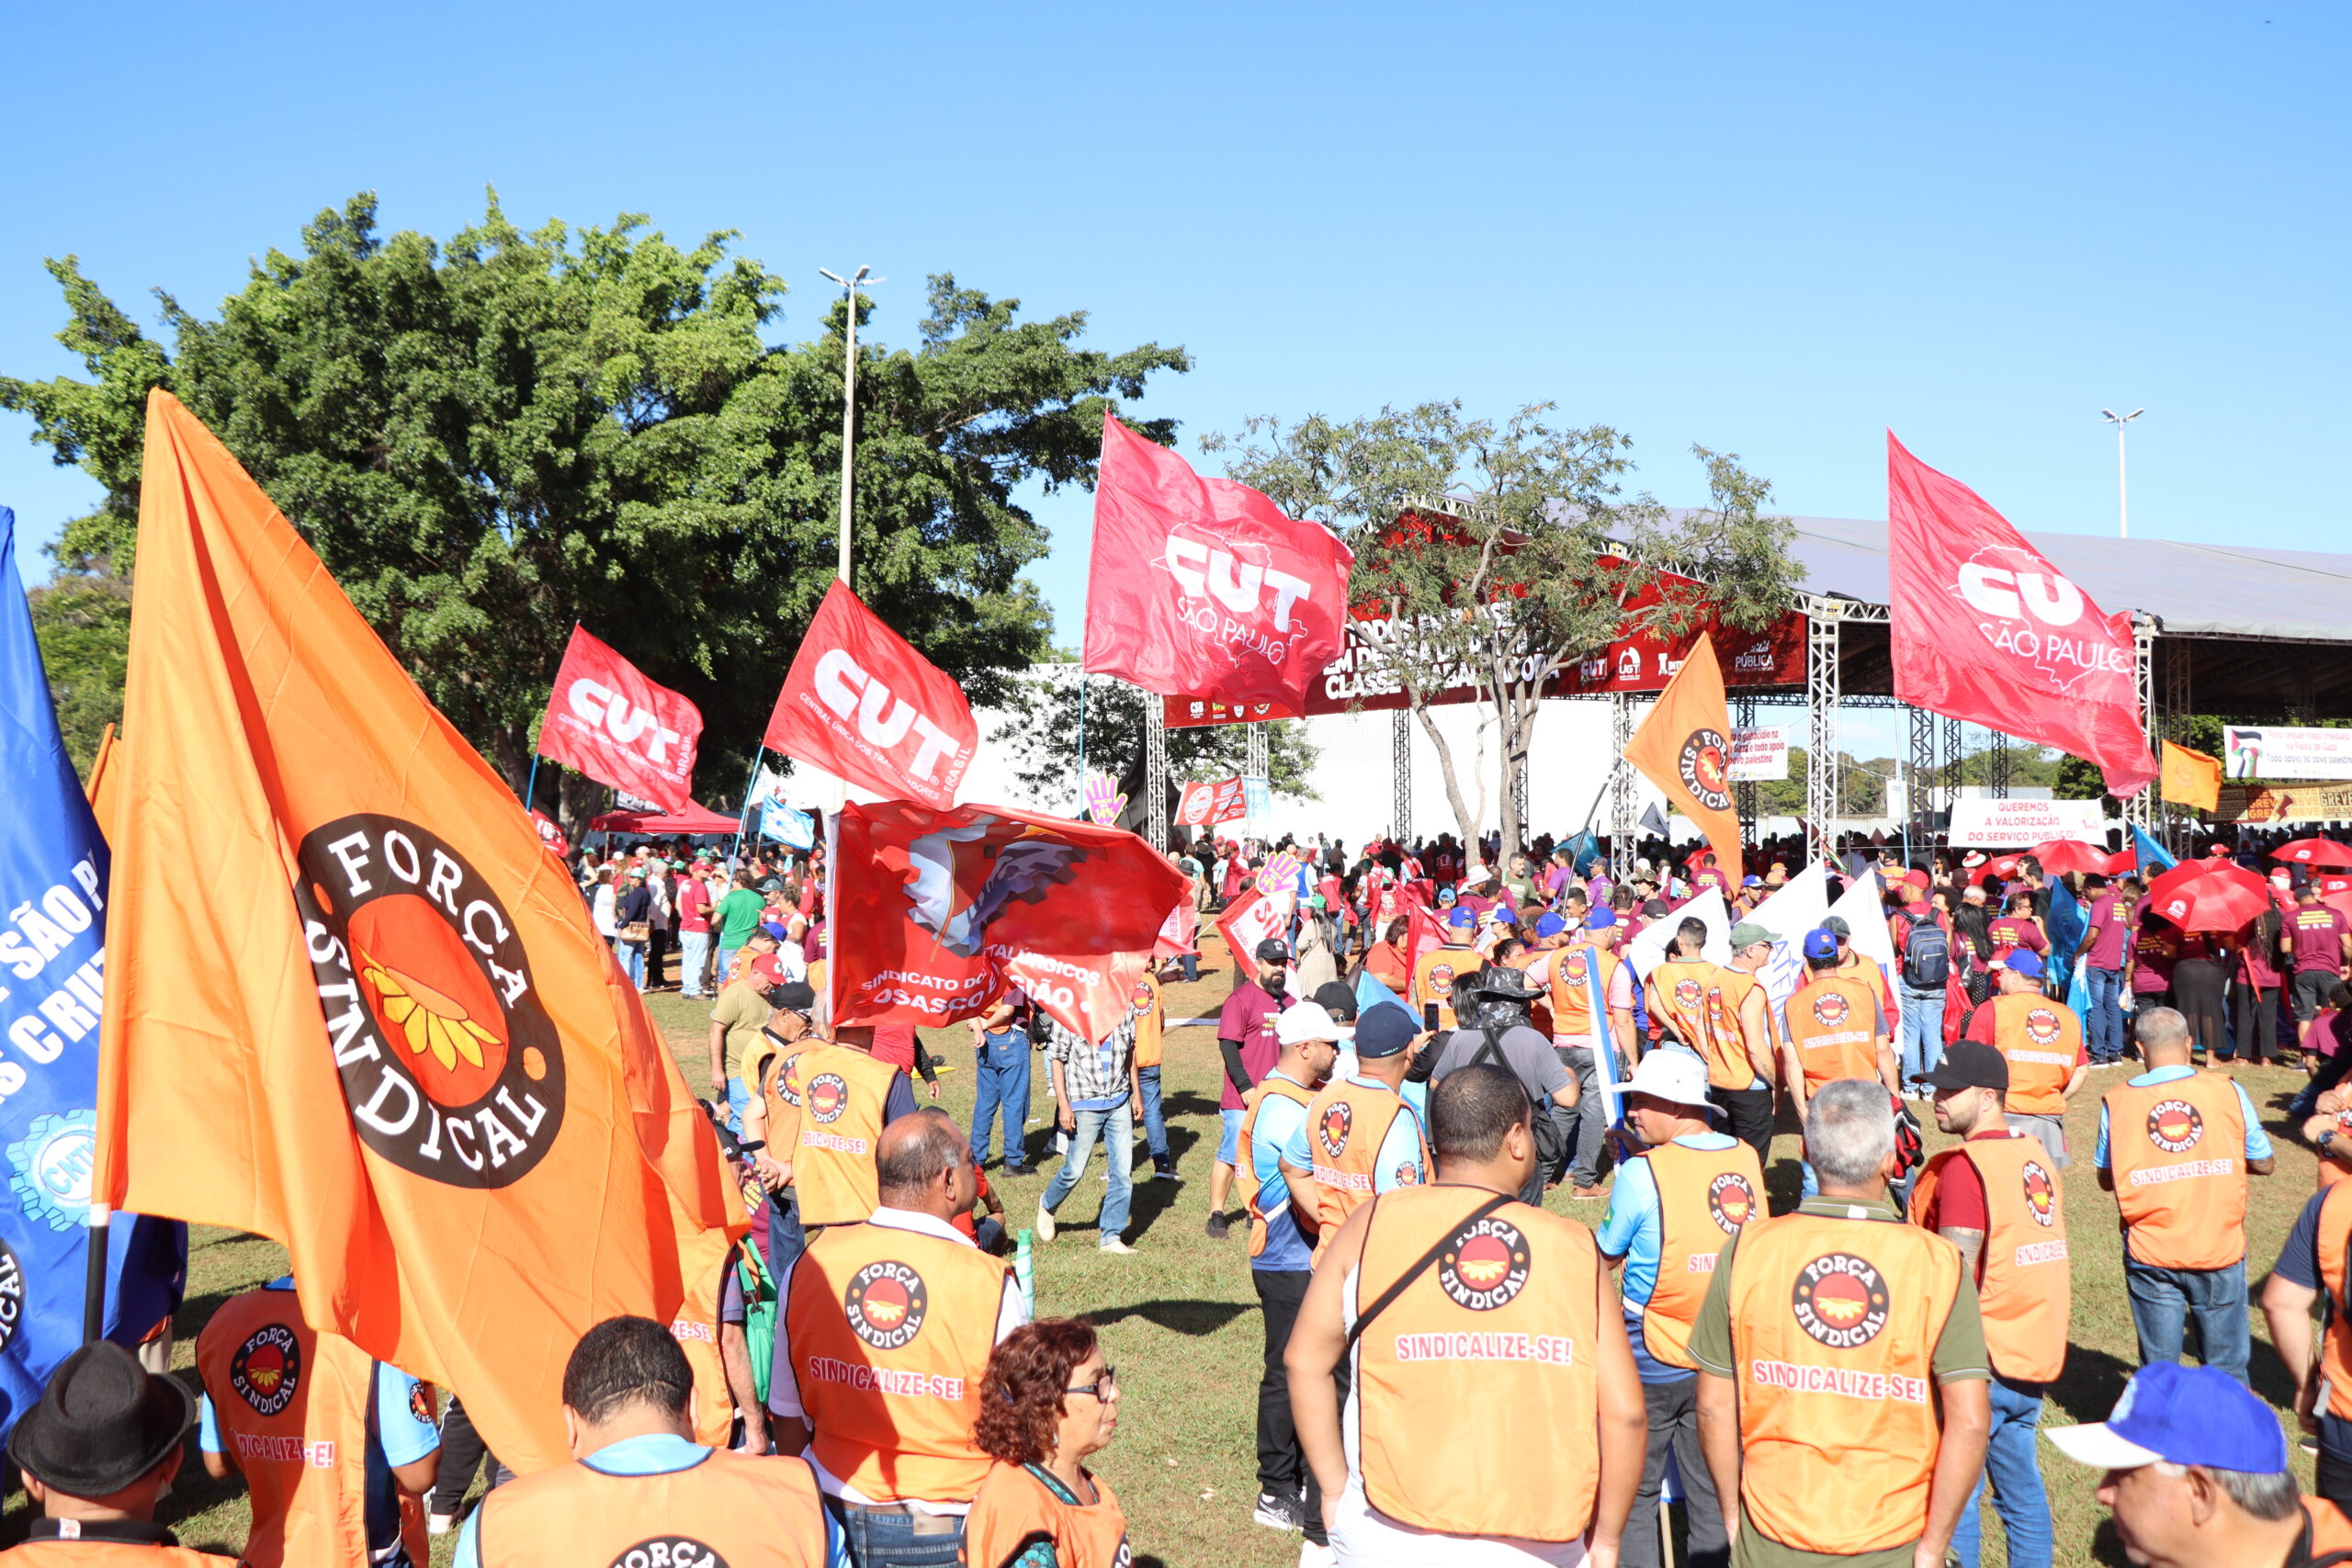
<point x="1551" y="1139"/>
<point x="1927" y="955"/>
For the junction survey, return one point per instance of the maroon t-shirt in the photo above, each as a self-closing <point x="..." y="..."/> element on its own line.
<point x="2319" y="937"/>
<point x="1247" y="1019"/>
<point x="2112" y="915"/>
<point x="2152" y="957"/>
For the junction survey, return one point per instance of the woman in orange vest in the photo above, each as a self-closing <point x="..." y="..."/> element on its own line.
<point x="1048" y="1400"/>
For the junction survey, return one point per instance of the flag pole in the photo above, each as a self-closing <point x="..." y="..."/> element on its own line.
<point x="759" y="754"/>
<point x="531" y="790"/>
<point x="94" y="1280"/>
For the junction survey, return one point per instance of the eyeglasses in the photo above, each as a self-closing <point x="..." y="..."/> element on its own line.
<point x="1097" y="1388"/>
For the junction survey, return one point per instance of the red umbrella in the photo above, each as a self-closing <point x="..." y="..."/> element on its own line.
<point x="2208" y="896"/>
<point x="2060" y="856"/>
<point x="2313" y="852"/>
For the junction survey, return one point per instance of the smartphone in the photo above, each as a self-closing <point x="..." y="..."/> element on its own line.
<point x="1429" y="1015"/>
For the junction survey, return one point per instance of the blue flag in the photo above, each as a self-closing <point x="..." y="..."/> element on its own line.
<point x="1371" y="993"/>
<point x="53" y="868"/>
<point x="1584" y="852"/>
<point x="2068" y="926"/>
<point x="2153" y="856"/>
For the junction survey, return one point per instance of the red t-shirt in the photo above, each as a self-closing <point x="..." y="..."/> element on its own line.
<point x="2112" y="915"/>
<point x="1247" y="1019"/>
<point x="1958" y="1202"/>
<point x="894" y="1043"/>
<point x="694" y="906"/>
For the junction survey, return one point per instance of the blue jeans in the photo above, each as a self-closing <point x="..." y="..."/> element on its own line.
<point x="2015" y="1473"/>
<point x="632" y="956"/>
<point x="1922" y="1031"/>
<point x="888" y="1540"/>
<point x="725" y="965"/>
<point x="693" y="956"/>
<point x="2162" y="1300"/>
<point x="1192" y="964"/>
<point x="2105" y="1025"/>
<point x="787" y="1239"/>
<point x="1154" y="1124"/>
<point x="1001" y="1083"/>
<point x="739" y="1100"/>
<point x="1116" y="1128"/>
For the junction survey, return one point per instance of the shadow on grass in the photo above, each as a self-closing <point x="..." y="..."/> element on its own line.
<point x="1193" y="1318"/>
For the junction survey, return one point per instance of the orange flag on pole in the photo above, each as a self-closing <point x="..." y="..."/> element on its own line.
<point x="351" y="1003"/>
<point x="2190" y="778"/>
<point x="104" y="786"/>
<point x="1684" y="748"/>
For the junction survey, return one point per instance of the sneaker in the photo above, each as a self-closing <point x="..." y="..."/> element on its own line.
<point x="1216" y="1228"/>
<point x="1280" y="1513"/>
<point x="1313" y="1556"/>
<point x="1587" y="1192"/>
<point x="1116" y="1244"/>
<point x="440" y="1524"/>
<point x="1044" y="1224"/>
<point x="1166" y="1173"/>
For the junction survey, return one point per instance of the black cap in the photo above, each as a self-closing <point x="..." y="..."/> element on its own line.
<point x="103" y="1422"/>
<point x="793" y="996"/>
<point x="1385" y="1030"/>
<point x="1336" y="999"/>
<point x="1273" y="950"/>
<point x="1969" y="1064"/>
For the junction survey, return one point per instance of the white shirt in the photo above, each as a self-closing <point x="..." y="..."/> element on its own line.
<point x="792" y="962"/>
<point x="784" y="1394"/>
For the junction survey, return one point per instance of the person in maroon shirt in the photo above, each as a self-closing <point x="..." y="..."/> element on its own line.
<point x="2104" y="943"/>
<point x="2254" y="987"/>
<point x="1244" y="1035"/>
<point x="2321" y="944"/>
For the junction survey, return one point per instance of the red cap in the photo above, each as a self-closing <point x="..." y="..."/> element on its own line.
<point x="768" y="967"/>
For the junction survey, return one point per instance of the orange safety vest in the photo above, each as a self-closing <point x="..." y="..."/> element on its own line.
<point x="767" y="1067"/>
<point x="890" y="1332"/>
<point x="1346" y="1124"/>
<point x="2042" y="1040"/>
<point x="2178" y="1154"/>
<point x="1678" y="1002"/>
<point x="1015" y="1509"/>
<point x="843" y="1092"/>
<point x="1436" y="972"/>
<point x="1150" y="1015"/>
<point x="730" y="1508"/>
<point x="2333" y="1241"/>
<point x="1834" y="1326"/>
<point x="1855" y="966"/>
<point x="1571" y="998"/>
<point x="2330" y="1173"/>
<point x="1703" y="1195"/>
<point x="108" y="1554"/>
<point x="695" y="1328"/>
<point x="2023" y="1287"/>
<point x="1246" y="1167"/>
<point x="1832" y="1023"/>
<point x="1728" y="1065"/>
<point x="1477" y="1392"/>
<point x="2331" y="1532"/>
<point x="292" y="1407"/>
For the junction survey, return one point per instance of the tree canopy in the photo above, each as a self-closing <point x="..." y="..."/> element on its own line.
<point x="488" y="440"/>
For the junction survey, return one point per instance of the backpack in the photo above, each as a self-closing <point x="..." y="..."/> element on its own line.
<point x="1927" y="955"/>
<point x="1551" y="1139"/>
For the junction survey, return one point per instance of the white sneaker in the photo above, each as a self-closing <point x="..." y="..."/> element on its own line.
<point x="1044" y="1224"/>
<point x="1313" y="1556"/>
<point x="1116" y="1244"/>
<point x="440" y="1524"/>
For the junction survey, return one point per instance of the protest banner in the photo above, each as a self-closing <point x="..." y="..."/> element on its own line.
<point x="1759" y="754"/>
<point x="606" y="720"/>
<point x="2300" y="803"/>
<point x="1087" y="996"/>
<point x="863" y="704"/>
<point x="2018" y="823"/>
<point x="2284" y="752"/>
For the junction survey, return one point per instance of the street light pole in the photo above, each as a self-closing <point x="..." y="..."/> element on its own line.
<point x="2123" y="495"/>
<point x="849" y="401"/>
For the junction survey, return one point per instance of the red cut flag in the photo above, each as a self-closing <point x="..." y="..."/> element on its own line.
<point x="1179" y="934"/>
<point x="863" y="704"/>
<point x="1986" y="630"/>
<point x="551" y="834"/>
<point x="1089" y="996"/>
<point x="608" y="721"/>
<point x="921" y="898"/>
<point x="1201" y="587"/>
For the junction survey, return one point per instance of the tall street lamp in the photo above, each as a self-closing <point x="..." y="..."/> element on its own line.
<point x="2123" y="497"/>
<point x="848" y="399"/>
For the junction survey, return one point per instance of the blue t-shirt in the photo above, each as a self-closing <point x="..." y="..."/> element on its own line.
<point x="2299" y="1264"/>
<point x="2257" y="1142"/>
<point x="1280" y="1124"/>
<point x="1632" y="1230"/>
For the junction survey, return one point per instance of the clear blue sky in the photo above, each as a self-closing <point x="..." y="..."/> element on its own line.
<point x="1775" y="230"/>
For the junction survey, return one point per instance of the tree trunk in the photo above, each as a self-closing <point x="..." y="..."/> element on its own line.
<point x="1462" y="816"/>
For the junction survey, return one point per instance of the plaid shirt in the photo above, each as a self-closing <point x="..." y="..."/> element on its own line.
<point x="1096" y="1077"/>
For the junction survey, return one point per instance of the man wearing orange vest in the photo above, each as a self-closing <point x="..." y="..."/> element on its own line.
<point x="886" y="1328"/>
<point x="1492" y="1394"/>
<point x="1147" y="1011"/>
<point x="1568" y="978"/>
<point x="2176" y="1146"/>
<point x="1740" y="1051"/>
<point x="1836" y="1028"/>
<point x="1669" y="1211"/>
<point x="1677" y="990"/>
<point x="98" y="1451"/>
<point x="1996" y="1200"/>
<point x="1360" y="1137"/>
<point x="1437" y="972"/>
<point x="641" y="1490"/>
<point x="846" y="1098"/>
<point x="2043" y="1041"/>
<point x="1841" y="1362"/>
<point x="773" y="1121"/>
<point x="338" y="1450"/>
<point x="2307" y="1269"/>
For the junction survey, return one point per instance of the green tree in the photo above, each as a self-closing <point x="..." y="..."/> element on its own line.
<point x="1501" y="552"/>
<point x="82" y="621"/>
<point x="487" y="441"/>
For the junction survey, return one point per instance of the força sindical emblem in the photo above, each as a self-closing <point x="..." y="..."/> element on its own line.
<point x="1332" y="1128"/>
<point x="1484" y="1264"/>
<point x="1441" y="980"/>
<point x="886" y="1303"/>
<point x="1830" y="1009"/>
<point x="266" y="1370"/>
<point x="1688" y="995"/>
<point x="2174" y="1126"/>
<point x="668" y="1551"/>
<point x="828" y="1097"/>
<point x="1840" y="1300"/>
<point x="1705" y="768"/>
<point x="449" y="1063"/>
<point x="2041" y="1026"/>
<point x="2041" y="1194"/>
<point x="1406" y="1174"/>
<point x="1730" y="1200"/>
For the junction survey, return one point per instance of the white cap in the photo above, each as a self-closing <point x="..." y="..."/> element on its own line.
<point x="1301" y="1022"/>
<point x="1673" y="1073"/>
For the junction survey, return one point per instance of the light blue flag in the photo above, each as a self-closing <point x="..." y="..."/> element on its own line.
<point x="2068" y="925"/>
<point x="1371" y="993"/>
<point x="53" y="868"/>
<point x="1584" y="852"/>
<point x="2153" y="856"/>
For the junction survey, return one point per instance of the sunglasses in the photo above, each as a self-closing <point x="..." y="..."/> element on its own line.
<point x="1100" y="1385"/>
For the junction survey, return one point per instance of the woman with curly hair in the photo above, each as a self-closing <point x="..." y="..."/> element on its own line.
<point x="1048" y="1401"/>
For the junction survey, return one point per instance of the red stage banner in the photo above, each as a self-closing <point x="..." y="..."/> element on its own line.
<point x="1202" y="586"/>
<point x="606" y="720"/>
<point x="1984" y="630"/>
<point x="863" y="704"/>
<point x="1205" y="804"/>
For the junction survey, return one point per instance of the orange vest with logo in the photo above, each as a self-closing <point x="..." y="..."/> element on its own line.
<point x="1677" y="1003"/>
<point x="1346" y="1124"/>
<point x="1477" y="1392"/>
<point x="1834" y="1325"/>
<point x="2334" y="1243"/>
<point x="782" y="1107"/>
<point x="2024" y="1288"/>
<point x="730" y="1508"/>
<point x="1436" y="972"/>
<point x="292" y="1407"/>
<point x="843" y="1092"/>
<point x="1246" y="1167"/>
<point x="1144" y="1005"/>
<point x="1728" y="1065"/>
<point x="106" y="1554"/>
<point x="1831" y="1021"/>
<point x="1570" y="990"/>
<point x="695" y="1328"/>
<point x="1704" y="1196"/>
<point x="890" y="1332"/>
<point x="2177" y="1153"/>
<point x="1015" y="1510"/>
<point x="1539" y="1011"/>
<point x="2042" y="1040"/>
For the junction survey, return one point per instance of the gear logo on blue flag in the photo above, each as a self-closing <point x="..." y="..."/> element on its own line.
<point x="49" y="1168"/>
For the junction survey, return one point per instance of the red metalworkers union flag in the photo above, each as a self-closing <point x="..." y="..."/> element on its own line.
<point x="1984" y="629"/>
<point x="608" y="721"/>
<point x="863" y="704"/>
<point x="1201" y="588"/>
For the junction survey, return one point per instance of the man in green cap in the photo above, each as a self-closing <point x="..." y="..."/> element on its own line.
<point x="1739" y="1020"/>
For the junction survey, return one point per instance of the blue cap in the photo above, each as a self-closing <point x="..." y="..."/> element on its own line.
<point x="1751" y="882"/>
<point x="1819" y="943"/>
<point x="1549" y="924"/>
<point x="2183" y="1416"/>
<point x="1504" y="915"/>
<point x="2022" y="961"/>
<point x="1462" y="920"/>
<point x="1384" y="1029"/>
<point x="775" y="929"/>
<point x="1601" y="920"/>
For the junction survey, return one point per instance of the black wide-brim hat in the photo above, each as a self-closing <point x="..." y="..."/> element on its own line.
<point x="103" y="1422"/>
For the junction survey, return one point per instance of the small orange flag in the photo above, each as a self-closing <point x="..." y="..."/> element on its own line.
<point x="2190" y="778"/>
<point x="105" y="788"/>
<point x="351" y="1003"/>
<point x="1684" y="748"/>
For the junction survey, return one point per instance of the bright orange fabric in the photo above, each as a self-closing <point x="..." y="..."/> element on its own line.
<point x="2334" y="1242"/>
<point x="2177" y="1151"/>
<point x="2190" y="778"/>
<point x="1245" y="1167"/>
<point x="105" y="788"/>
<point x="695" y="1328"/>
<point x="1435" y="974"/>
<point x="315" y="871"/>
<point x="1831" y="1023"/>
<point x="2024" y="1292"/>
<point x="106" y="1554"/>
<point x="1678" y="1004"/>
<point x="2043" y="1041"/>
<point x="843" y="1093"/>
<point x="1346" y="1123"/>
<point x="1016" y="1508"/>
<point x="1728" y="1063"/>
<point x="1704" y="1197"/>
<point x="730" y="1508"/>
<point x="1150" y="1014"/>
<point x="1571" y="990"/>
<point x="1684" y="748"/>
<point x="292" y="1406"/>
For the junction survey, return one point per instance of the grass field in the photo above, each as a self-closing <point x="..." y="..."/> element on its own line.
<point x="1181" y="1322"/>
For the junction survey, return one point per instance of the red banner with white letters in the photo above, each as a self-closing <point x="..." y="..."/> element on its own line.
<point x="1986" y="630"/>
<point x="606" y="720"/>
<point x="863" y="704"/>
<point x="1089" y="996"/>
<point x="1205" y="804"/>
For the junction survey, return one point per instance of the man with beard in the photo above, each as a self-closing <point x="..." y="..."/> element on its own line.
<point x="1247" y="1040"/>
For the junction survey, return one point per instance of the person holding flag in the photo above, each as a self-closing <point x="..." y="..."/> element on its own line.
<point x="1590" y="990"/>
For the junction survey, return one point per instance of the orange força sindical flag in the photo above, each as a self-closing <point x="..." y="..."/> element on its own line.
<point x="1684" y="748"/>
<point x="351" y="1004"/>
<point x="2190" y="777"/>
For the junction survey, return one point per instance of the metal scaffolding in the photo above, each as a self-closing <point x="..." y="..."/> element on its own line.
<point x="1920" y="799"/>
<point x="1400" y="776"/>
<point x="1620" y="786"/>
<point x="1155" y="771"/>
<point x="1744" y="794"/>
<point x="1256" y="766"/>
<point x="2141" y="809"/>
<point x="2174" y="658"/>
<point x="1997" y="764"/>
<point x="1825" y="619"/>
<point x="1953" y="756"/>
